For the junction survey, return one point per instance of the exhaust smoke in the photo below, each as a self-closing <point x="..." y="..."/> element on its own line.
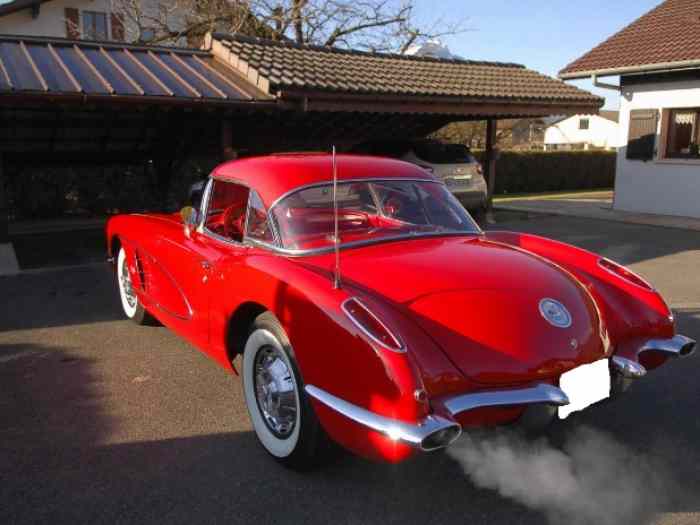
<point x="591" y="479"/>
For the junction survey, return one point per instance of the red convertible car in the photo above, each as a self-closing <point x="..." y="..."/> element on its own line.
<point x="395" y="334"/>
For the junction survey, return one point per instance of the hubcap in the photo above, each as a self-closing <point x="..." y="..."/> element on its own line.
<point x="126" y="285"/>
<point x="275" y="391"/>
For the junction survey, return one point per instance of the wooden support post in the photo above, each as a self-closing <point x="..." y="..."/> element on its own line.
<point x="491" y="127"/>
<point x="4" y="233"/>
<point x="227" y="151"/>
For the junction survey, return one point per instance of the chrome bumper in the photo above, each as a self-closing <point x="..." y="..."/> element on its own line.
<point x="628" y="369"/>
<point x="538" y="394"/>
<point x="435" y="431"/>
<point x="676" y="346"/>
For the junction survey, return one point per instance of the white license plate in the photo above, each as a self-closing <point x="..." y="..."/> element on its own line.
<point x="585" y="385"/>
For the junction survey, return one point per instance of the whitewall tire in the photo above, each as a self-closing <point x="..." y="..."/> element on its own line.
<point x="280" y="412"/>
<point x="130" y="303"/>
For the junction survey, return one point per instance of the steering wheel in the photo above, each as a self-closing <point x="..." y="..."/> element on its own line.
<point x="233" y="220"/>
<point x="392" y="207"/>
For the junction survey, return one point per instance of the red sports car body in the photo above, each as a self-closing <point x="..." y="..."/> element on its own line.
<point x="435" y="325"/>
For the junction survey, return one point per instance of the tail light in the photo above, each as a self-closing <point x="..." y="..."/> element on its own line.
<point x="623" y="272"/>
<point x="371" y="325"/>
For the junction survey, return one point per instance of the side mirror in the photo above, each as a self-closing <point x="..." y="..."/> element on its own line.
<point x="190" y="219"/>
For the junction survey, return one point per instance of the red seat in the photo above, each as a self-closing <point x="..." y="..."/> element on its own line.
<point x="234" y="221"/>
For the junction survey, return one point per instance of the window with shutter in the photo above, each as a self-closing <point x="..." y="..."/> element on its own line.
<point x="72" y="23"/>
<point x="117" y="27"/>
<point x="642" y="134"/>
<point x="683" y="133"/>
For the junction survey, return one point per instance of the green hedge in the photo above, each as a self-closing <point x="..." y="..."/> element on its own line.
<point x="542" y="171"/>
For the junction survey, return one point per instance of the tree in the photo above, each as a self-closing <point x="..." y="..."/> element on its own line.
<point x="372" y="25"/>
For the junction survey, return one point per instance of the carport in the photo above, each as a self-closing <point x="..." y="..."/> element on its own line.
<point x="130" y="113"/>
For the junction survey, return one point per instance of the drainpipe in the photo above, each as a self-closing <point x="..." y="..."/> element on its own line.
<point x="604" y="85"/>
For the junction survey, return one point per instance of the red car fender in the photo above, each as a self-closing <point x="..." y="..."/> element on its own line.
<point x="332" y="352"/>
<point x="629" y="311"/>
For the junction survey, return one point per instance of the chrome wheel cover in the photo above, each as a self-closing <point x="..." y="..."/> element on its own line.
<point x="275" y="391"/>
<point x="125" y="282"/>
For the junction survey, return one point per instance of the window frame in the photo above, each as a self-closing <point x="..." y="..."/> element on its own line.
<point x="667" y="122"/>
<point x="581" y="120"/>
<point x="91" y="13"/>
<point x="273" y="229"/>
<point x="204" y="210"/>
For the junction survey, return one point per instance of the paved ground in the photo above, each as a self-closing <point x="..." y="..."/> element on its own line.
<point x="592" y="205"/>
<point x="105" y="422"/>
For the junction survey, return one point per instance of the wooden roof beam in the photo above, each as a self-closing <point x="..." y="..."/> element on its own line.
<point x="177" y="77"/>
<point x="35" y="69"/>
<point x="119" y="68"/>
<point x="147" y="72"/>
<point x="93" y="69"/>
<point x="65" y="69"/>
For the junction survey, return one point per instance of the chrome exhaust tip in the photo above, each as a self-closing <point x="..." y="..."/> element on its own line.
<point x="441" y="438"/>
<point x="676" y="346"/>
<point x="688" y="348"/>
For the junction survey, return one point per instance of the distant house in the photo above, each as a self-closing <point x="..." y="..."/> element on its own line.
<point x="583" y="132"/>
<point x="74" y="19"/>
<point x="528" y="133"/>
<point x="657" y="59"/>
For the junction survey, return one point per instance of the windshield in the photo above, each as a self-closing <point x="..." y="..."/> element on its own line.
<point x="368" y="211"/>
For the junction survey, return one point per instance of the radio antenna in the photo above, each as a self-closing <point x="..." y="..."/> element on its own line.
<point x="336" y="237"/>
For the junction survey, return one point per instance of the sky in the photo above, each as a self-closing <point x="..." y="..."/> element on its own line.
<point x="544" y="35"/>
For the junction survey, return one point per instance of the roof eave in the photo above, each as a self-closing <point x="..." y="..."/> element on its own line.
<point x="314" y="100"/>
<point x="641" y="68"/>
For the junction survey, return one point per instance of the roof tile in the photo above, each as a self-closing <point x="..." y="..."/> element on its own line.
<point x="668" y="33"/>
<point x="312" y="68"/>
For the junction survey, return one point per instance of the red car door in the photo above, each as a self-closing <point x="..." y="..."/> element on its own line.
<point x="182" y="277"/>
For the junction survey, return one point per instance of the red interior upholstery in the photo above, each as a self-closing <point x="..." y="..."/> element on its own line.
<point x="234" y="221"/>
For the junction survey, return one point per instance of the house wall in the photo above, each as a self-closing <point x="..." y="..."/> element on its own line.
<point x="601" y="132"/>
<point x="51" y="21"/>
<point x="669" y="187"/>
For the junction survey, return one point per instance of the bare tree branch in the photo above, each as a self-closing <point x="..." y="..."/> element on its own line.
<point x="374" y="25"/>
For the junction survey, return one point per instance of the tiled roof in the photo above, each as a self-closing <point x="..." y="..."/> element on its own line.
<point x="291" y="67"/>
<point x="30" y="66"/>
<point x="668" y="34"/>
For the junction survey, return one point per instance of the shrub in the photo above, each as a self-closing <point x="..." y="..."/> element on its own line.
<point x="542" y="171"/>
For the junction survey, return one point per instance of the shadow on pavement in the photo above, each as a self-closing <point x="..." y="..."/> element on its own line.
<point x="58" y="466"/>
<point x="44" y="250"/>
<point x="59" y="298"/>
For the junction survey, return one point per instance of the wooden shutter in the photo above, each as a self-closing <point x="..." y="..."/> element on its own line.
<point x="72" y="17"/>
<point x="117" y="27"/>
<point x="642" y="134"/>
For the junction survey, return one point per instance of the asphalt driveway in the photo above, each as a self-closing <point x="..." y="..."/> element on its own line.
<point x="102" y="421"/>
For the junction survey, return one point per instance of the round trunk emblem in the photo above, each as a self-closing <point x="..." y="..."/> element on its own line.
<point x="555" y="313"/>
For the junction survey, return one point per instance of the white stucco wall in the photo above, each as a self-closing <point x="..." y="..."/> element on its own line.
<point x="601" y="132"/>
<point x="668" y="187"/>
<point x="51" y="20"/>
